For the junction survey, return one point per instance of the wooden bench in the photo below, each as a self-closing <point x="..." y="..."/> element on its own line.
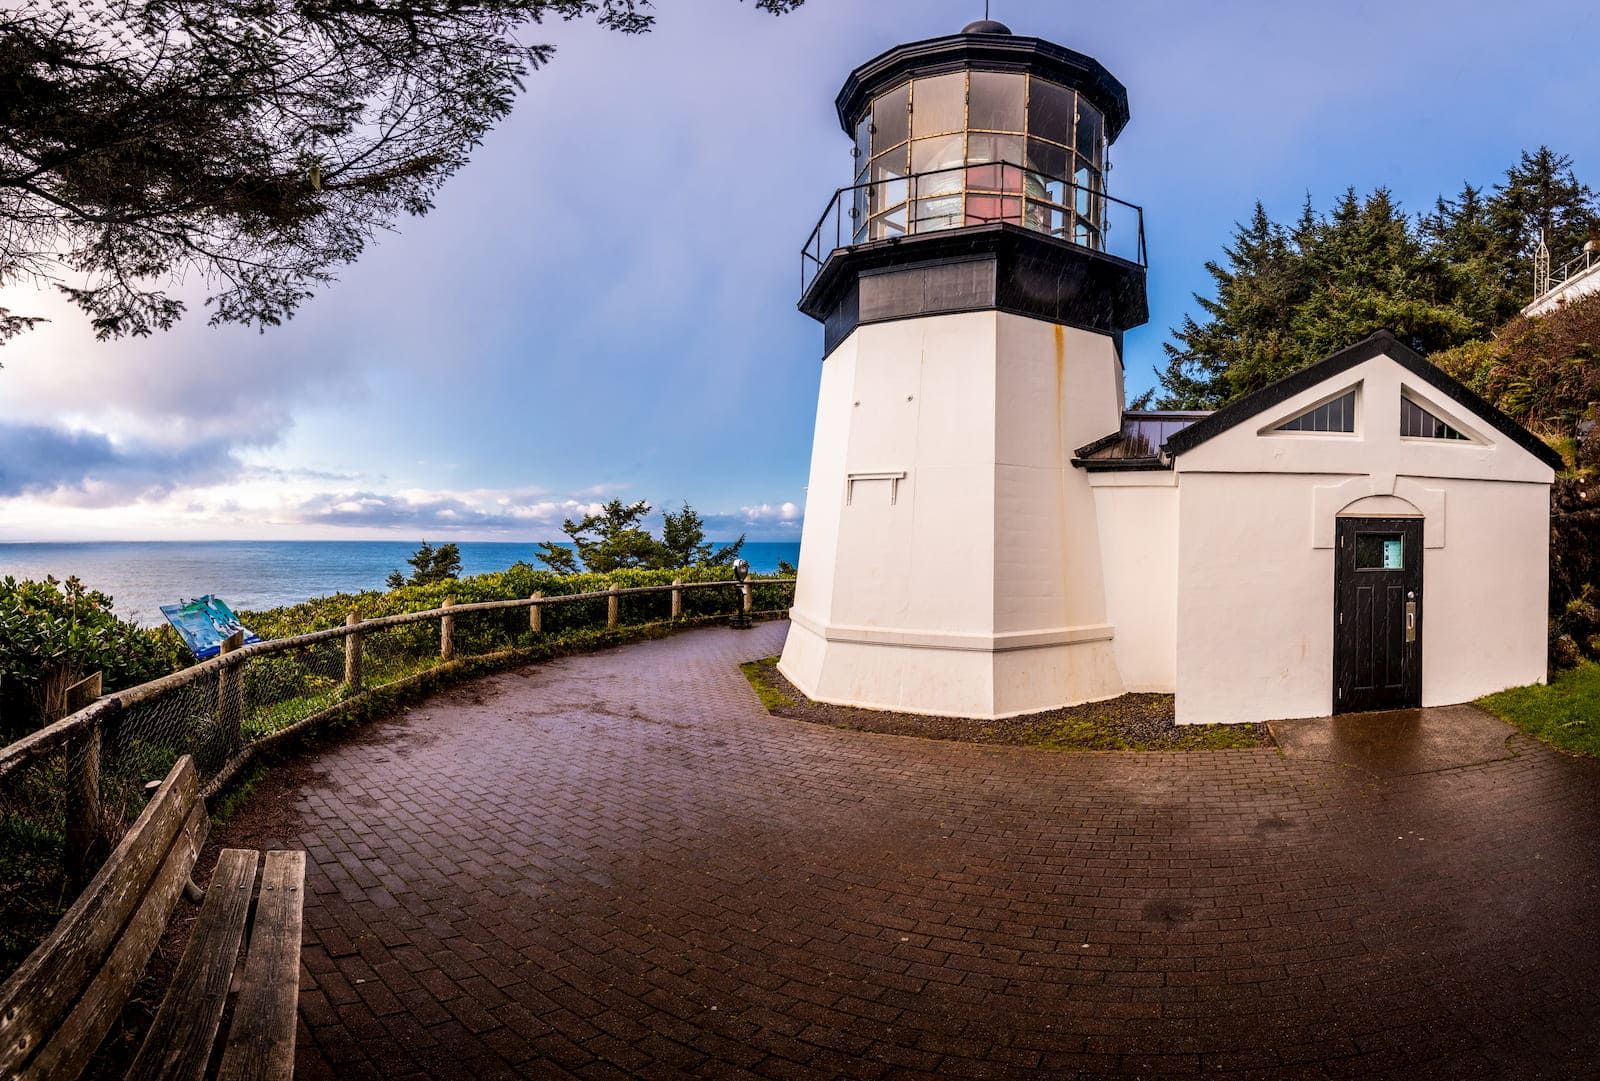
<point x="57" y="1007"/>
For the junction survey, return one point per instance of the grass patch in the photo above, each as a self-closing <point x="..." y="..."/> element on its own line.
<point x="1564" y="713"/>
<point x="1130" y="722"/>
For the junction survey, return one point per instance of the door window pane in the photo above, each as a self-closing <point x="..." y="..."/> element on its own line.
<point x="939" y="105"/>
<point x="889" y="118"/>
<point x="996" y="102"/>
<point x="1380" y="552"/>
<point x="1051" y="109"/>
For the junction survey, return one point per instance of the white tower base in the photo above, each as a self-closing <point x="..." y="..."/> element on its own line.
<point x="950" y="562"/>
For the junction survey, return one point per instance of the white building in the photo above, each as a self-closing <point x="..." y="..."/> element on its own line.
<point x="989" y="534"/>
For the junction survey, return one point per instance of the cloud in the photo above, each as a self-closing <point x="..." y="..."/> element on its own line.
<point x="445" y="512"/>
<point x="91" y="469"/>
<point x="768" y="513"/>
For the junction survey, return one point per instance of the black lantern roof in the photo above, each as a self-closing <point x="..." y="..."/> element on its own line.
<point x="985" y="49"/>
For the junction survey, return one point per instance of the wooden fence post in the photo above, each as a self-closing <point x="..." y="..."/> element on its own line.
<point x="84" y="840"/>
<point x="677" y="598"/>
<point x="447" y="632"/>
<point x="230" y="694"/>
<point x="352" y="655"/>
<point x="613" y="610"/>
<point x="536" y="614"/>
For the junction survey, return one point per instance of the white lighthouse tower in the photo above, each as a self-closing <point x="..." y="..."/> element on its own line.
<point x="974" y="284"/>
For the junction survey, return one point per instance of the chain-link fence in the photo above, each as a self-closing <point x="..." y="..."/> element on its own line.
<point x="69" y="791"/>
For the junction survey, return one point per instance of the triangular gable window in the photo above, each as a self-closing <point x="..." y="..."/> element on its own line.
<point x="1417" y="423"/>
<point x="1339" y="415"/>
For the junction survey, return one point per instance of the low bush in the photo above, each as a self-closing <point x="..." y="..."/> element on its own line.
<point x="54" y="633"/>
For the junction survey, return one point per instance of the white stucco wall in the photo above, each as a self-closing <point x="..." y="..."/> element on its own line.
<point x="1137" y="515"/>
<point x="969" y="582"/>
<point x="1256" y="515"/>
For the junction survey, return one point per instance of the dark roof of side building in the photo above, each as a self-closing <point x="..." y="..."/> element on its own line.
<point x="1383" y="343"/>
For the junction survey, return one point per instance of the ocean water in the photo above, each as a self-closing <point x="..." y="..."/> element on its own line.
<point x="141" y="576"/>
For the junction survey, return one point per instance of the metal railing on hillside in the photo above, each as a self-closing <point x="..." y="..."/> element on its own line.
<point x="69" y="791"/>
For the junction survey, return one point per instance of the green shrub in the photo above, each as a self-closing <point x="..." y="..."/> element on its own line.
<point x="53" y="634"/>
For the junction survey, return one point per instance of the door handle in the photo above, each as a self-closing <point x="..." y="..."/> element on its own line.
<point x="1411" y="621"/>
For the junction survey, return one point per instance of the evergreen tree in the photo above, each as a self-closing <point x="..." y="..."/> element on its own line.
<point x="1540" y="194"/>
<point x="429" y="564"/>
<point x="607" y="541"/>
<point x="1369" y="272"/>
<point x="614" y="539"/>
<point x="1461" y="234"/>
<point x="683" y="542"/>
<point x="255" y="145"/>
<point x="1247" y="339"/>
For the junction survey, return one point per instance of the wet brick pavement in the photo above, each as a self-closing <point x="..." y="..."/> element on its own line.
<point x="618" y="865"/>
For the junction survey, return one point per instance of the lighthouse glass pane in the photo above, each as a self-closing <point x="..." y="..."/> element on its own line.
<point x="988" y="209"/>
<point x="863" y="149"/>
<point x="996" y="101"/>
<point x="1006" y="178"/>
<point x="943" y="212"/>
<point x="1048" y="159"/>
<point x="1090" y="128"/>
<point x="939" y="105"/>
<point x="937" y="163"/>
<point x="888" y="180"/>
<point x="1045" y="218"/>
<point x="888" y="225"/>
<point x="1051" y="109"/>
<point x="889" y="119"/>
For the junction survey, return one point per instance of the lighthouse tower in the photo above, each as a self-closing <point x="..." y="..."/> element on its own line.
<point x="974" y="283"/>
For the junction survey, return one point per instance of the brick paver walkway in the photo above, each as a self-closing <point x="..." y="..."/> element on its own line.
<point x="618" y="865"/>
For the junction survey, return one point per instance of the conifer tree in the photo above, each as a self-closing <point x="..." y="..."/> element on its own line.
<point x="1247" y="339"/>
<point x="1540" y="194"/>
<point x="1369" y="272"/>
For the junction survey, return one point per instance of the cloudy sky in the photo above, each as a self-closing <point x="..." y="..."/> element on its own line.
<point x="603" y="303"/>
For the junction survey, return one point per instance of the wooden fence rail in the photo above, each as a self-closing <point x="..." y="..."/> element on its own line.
<point x="225" y="672"/>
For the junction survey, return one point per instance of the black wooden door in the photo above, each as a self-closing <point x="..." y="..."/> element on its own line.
<point x="1377" y="586"/>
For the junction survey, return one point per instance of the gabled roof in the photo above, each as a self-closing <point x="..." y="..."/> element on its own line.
<point x="1383" y="343"/>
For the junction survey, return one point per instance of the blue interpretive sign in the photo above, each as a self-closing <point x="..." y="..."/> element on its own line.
<point x="204" y="624"/>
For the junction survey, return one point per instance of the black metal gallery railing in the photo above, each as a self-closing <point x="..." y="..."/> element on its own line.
<point x="974" y="194"/>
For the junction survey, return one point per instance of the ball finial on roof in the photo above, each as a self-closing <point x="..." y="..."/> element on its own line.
<point x="986" y="26"/>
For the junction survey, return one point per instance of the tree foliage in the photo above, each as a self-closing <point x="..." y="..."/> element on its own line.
<point x="615" y="539"/>
<point x="257" y="144"/>
<point x="428" y="565"/>
<point x="55" y="633"/>
<point x="1287" y="296"/>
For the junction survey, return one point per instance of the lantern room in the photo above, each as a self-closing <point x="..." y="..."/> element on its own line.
<point x="941" y="150"/>
<point x="978" y="181"/>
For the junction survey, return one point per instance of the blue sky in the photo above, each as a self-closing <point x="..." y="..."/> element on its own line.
<point x="603" y="303"/>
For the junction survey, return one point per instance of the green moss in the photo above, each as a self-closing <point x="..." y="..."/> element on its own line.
<point x="1565" y="713"/>
<point x="1079" y="734"/>
<point x="773" y="697"/>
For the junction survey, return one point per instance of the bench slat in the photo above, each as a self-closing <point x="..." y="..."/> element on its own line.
<point x="178" y="1045"/>
<point x="261" y="1042"/>
<point x="47" y="985"/>
<point x="73" y="1042"/>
